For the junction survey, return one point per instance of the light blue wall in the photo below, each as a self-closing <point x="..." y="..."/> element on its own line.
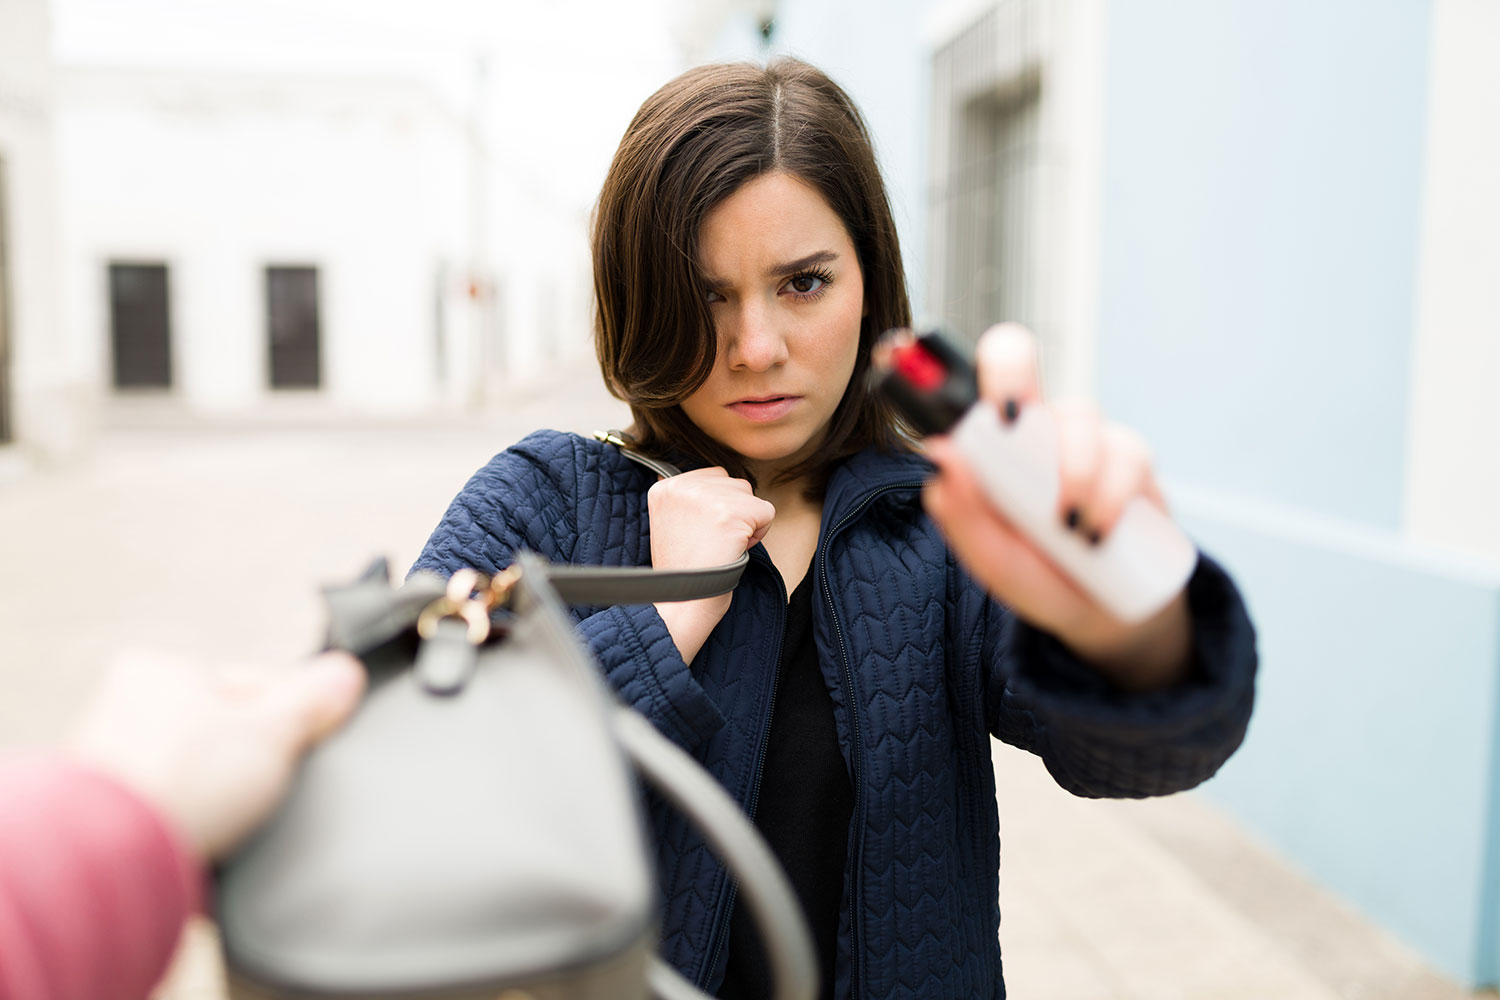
<point x="1263" y="169"/>
<point x="1258" y="278"/>
<point x="1370" y="761"/>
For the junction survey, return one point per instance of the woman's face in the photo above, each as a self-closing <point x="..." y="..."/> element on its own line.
<point x="787" y="297"/>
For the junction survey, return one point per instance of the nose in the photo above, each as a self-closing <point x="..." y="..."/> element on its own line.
<point x="755" y="340"/>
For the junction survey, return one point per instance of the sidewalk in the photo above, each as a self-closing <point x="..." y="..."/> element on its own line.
<point x="213" y="541"/>
<point x="1166" y="899"/>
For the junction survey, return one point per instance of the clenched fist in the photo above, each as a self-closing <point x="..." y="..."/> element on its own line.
<point x="700" y="519"/>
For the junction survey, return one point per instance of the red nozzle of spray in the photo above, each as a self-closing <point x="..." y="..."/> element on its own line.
<point x="917" y="365"/>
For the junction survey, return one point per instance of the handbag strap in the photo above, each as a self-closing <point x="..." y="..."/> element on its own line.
<point x="627" y="448"/>
<point x="642" y="584"/>
<point x="762" y="882"/>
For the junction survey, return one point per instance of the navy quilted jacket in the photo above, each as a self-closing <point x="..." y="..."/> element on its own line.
<point x="923" y="668"/>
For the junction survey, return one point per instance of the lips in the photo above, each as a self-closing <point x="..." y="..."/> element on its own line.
<point x="763" y="409"/>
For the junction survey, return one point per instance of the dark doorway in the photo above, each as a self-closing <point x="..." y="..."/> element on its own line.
<point x="140" y="326"/>
<point x="5" y="312"/>
<point x="292" y="316"/>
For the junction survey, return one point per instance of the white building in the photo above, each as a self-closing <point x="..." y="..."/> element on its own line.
<point x="44" y="391"/>
<point x="333" y="206"/>
<point x="231" y="237"/>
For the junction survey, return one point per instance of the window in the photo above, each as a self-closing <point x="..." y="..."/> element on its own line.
<point x="140" y="325"/>
<point x="988" y="171"/>
<point x="5" y="428"/>
<point x="991" y="215"/>
<point x="1015" y="217"/>
<point x="293" y="327"/>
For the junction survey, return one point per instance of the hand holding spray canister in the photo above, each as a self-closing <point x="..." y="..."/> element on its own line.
<point x="1132" y="573"/>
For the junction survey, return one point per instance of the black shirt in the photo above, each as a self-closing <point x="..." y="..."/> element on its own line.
<point x="803" y="811"/>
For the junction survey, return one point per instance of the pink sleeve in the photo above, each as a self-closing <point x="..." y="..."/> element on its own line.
<point x="94" y="886"/>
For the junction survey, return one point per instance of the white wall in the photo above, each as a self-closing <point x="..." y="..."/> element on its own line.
<point x="541" y="97"/>
<point x="51" y="405"/>
<point x="1453" y="445"/>
<point x="565" y="82"/>
<point x="220" y="175"/>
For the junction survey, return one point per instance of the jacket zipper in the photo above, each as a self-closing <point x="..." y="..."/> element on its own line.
<point x="721" y="932"/>
<point x="857" y="825"/>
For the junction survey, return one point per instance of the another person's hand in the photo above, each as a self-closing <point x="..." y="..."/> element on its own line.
<point x="1101" y="467"/>
<point x="214" y="751"/>
<point x="700" y="519"/>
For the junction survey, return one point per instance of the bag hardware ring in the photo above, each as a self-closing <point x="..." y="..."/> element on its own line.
<point x="474" y="611"/>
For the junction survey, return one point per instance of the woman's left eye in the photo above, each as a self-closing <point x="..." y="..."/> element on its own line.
<point x="807" y="284"/>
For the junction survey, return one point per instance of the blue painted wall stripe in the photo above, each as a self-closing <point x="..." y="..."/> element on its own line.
<point x="1487" y="943"/>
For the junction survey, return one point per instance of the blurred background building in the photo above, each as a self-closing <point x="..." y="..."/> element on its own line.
<point x="261" y="211"/>
<point x="1266" y="233"/>
<point x="243" y="236"/>
<point x="44" y="392"/>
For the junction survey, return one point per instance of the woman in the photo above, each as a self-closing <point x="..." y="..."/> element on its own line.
<point x="745" y="260"/>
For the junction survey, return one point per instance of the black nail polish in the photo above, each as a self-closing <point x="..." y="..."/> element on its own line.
<point x="1095" y="538"/>
<point x="1012" y="411"/>
<point x="1073" y="518"/>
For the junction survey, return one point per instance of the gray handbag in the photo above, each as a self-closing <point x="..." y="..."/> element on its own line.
<point x="475" y="831"/>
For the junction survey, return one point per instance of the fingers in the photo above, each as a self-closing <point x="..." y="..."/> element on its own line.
<point x="1124" y="473"/>
<point x="1009" y="375"/>
<point x="954" y="492"/>
<point x="312" y="702"/>
<point x="1080" y="446"/>
<point x="709" y="482"/>
<point x="716" y="474"/>
<point x="989" y="547"/>
<point x="762" y="513"/>
<point x="705" y="517"/>
<point x="1102" y="467"/>
<point x="243" y="681"/>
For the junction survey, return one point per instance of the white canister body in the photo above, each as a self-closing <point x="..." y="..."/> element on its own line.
<point x="1133" y="572"/>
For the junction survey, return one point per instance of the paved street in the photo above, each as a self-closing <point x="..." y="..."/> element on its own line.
<point x="212" y="540"/>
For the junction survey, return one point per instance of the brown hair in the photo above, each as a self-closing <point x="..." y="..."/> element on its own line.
<point x="694" y="143"/>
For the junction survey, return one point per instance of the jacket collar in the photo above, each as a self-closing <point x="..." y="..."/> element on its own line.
<point x="854" y="478"/>
<point x="868" y="472"/>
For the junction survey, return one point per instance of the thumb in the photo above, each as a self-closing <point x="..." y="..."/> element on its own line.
<point x="311" y="703"/>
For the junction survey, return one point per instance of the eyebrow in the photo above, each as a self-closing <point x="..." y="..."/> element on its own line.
<point x="777" y="270"/>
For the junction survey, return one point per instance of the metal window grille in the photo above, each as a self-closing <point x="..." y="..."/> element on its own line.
<point x="988" y="171"/>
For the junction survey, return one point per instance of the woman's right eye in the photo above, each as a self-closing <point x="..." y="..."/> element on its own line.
<point x="712" y="296"/>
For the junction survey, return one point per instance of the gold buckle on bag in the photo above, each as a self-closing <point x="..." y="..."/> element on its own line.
<point x="471" y="597"/>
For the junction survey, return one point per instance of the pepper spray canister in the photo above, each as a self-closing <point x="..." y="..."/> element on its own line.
<point x="1133" y="572"/>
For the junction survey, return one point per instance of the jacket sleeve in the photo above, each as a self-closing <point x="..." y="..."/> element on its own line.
<point x="1099" y="741"/>
<point x="94" y="886"/>
<point x="528" y="497"/>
